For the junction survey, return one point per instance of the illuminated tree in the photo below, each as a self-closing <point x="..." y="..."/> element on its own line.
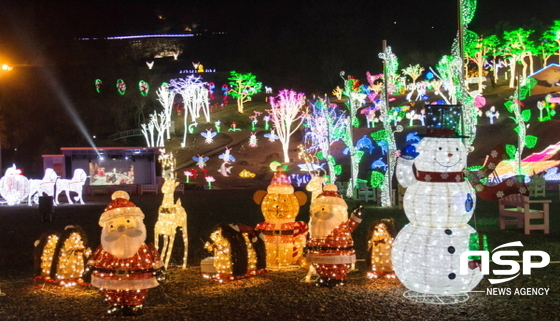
<point x="492" y="43"/>
<point x="287" y="114"/>
<point x="243" y="86"/>
<point x="517" y="46"/>
<point x="325" y="124"/>
<point x="476" y="50"/>
<point x="195" y="98"/>
<point x="355" y="100"/>
<point x="413" y="72"/>
<point x="390" y="66"/>
<point x="551" y="41"/>
<point x="166" y="98"/>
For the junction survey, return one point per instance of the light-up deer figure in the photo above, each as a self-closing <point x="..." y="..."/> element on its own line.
<point x="171" y="214"/>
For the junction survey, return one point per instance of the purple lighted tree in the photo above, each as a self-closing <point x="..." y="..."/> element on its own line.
<point x="287" y="113"/>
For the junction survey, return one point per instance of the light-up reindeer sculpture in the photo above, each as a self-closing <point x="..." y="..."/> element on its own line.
<point x="171" y="214"/>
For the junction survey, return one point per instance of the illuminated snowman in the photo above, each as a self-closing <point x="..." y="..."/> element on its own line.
<point x="439" y="202"/>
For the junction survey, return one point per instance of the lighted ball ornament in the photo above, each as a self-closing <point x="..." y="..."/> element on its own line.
<point x="284" y="237"/>
<point x="439" y="202"/>
<point x="330" y="247"/>
<point x="123" y="266"/>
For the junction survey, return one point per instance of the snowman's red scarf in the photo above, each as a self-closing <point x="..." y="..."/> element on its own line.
<point x="440" y="177"/>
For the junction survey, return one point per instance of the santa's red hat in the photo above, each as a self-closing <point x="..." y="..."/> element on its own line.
<point x="120" y="206"/>
<point x="330" y="196"/>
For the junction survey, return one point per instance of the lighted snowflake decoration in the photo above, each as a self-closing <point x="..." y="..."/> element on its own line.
<point x="509" y="182"/>
<point x="491" y="166"/>
<point x="494" y="153"/>
<point x="479" y="187"/>
<point x="444" y="175"/>
<point x="500" y="194"/>
<point x="458" y="178"/>
<point x="522" y="190"/>
<point x="428" y="178"/>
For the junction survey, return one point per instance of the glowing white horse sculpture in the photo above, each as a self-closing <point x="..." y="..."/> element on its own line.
<point x="171" y="215"/>
<point x="38" y="187"/>
<point x="76" y="184"/>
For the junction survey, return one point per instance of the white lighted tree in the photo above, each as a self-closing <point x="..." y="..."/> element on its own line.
<point x="287" y="113"/>
<point x="390" y="67"/>
<point x="166" y="98"/>
<point x="195" y="98"/>
<point x="414" y="72"/>
<point x="326" y="124"/>
<point x="154" y="130"/>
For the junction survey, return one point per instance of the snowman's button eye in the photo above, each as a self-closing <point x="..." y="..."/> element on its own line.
<point x="439" y="148"/>
<point x="457" y="149"/>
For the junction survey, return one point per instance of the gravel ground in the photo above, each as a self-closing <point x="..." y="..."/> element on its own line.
<point x="277" y="295"/>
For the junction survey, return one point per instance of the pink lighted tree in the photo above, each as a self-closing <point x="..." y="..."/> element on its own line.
<point x="287" y="114"/>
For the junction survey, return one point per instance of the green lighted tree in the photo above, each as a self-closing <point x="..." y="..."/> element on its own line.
<point x="551" y="41"/>
<point x="516" y="47"/>
<point x="476" y="51"/>
<point x="492" y="42"/>
<point x="243" y="86"/>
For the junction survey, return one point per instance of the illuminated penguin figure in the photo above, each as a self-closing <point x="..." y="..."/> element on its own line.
<point x="439" y="202"/>
<point x="284" y="236"/>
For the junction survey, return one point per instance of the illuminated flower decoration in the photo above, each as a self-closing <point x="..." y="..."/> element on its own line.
<point x="144" y="88"/>
<point x="210" y="180"/>
<point x="98" y="84"/>
<point x="121" y="86"/>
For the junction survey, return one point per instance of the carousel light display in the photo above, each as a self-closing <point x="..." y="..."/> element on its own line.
<point x="238" y="252"/>
<point x="439" y="202"/>
<point x="284" y="237"/>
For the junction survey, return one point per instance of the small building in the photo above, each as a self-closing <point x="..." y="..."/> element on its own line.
<point x="107" y="166"/>
<point x="548" y="80"/>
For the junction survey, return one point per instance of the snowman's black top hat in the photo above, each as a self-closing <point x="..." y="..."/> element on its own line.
<point x="444" y="121"/>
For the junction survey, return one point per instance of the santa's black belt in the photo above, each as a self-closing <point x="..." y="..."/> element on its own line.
<point x="326" y="248"/>
<point x="278" y="232"/>
<point x="124" y="272"/>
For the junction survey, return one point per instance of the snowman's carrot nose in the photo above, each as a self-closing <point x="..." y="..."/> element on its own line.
<point x="449" y="155"/>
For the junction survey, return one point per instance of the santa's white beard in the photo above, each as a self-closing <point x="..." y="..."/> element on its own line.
<point x="123" y="244"/>
<point x="321" y="228"/>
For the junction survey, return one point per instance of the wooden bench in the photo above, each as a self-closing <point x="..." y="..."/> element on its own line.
<point x="129" y="188"/>
<point x="517" y="206"/>
<point x="99" y="189"/>
<point x="148" y="188"/>
<point x="180" y="188"/>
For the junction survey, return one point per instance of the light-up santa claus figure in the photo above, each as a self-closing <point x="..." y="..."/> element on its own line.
<point x="439" y="202"/>
<point x="330" y="246"/>
<point x="123" y="266"/>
